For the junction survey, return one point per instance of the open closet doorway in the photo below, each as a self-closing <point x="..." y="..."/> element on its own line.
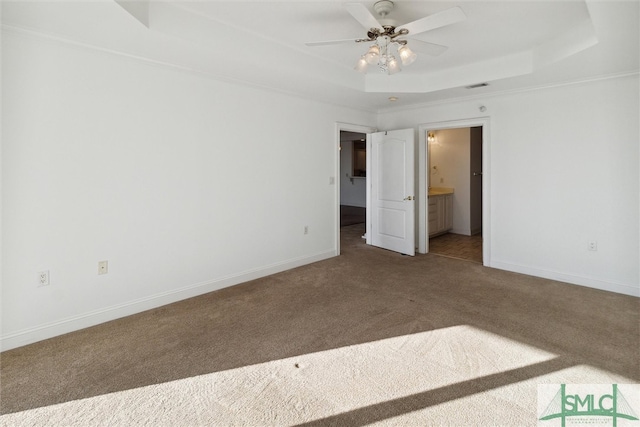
<point x="452" y="217"/>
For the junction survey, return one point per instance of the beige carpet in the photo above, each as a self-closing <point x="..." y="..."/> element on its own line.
<point x="455" y="376"/>
<point x="368" y="338"/>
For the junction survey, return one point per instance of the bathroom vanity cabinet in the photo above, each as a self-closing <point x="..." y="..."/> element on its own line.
<point x="440" y="212"/>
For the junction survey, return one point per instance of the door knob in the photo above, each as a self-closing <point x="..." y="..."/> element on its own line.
<point x="408" y="198"/>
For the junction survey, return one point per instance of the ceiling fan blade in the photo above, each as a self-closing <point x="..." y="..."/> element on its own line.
<point x="363" y="16"/>
<point x="432" y="49"/>
<point x="329" y="42"/>
<point x="437" y="20"/>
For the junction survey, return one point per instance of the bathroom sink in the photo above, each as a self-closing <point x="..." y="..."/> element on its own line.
<point x="439" y="191"/>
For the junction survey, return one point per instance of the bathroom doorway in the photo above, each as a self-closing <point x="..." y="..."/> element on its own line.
<point x="454" y="181"/>
<point x="455" y="192"/>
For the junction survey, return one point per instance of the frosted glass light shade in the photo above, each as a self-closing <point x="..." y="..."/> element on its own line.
<point x="372" y="55"/>
<point x="393" y="66"/>
<point x="407" y="56"/>
<point x="361" y="65"/>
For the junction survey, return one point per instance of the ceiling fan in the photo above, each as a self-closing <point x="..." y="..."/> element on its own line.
<point x="386" y="36"/>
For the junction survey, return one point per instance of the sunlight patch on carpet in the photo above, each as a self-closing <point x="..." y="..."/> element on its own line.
<point x="348" y="380"/>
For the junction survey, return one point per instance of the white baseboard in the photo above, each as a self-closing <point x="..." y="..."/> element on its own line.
<point x="620" y="288"/>
<point x="50" y="330"/>
<point x="462" y="232"/>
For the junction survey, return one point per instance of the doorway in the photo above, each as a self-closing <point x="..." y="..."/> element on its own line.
<point x="383" y="169"/>
<point x="353" y="178"/>
<point x="351" y="189"/>
<point x="453" y="166"/>
<point x="454" y="182"/>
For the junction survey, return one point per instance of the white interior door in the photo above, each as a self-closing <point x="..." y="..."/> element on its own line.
<point x="390" y="186"/>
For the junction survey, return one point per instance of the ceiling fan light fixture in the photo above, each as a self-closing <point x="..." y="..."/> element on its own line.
<point x="361" y="65"/>
<point x="372" y="55"/>
<point x="407" y="56"/>
<point x="386" y="35"/>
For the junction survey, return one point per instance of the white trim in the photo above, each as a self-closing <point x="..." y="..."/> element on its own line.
<point x="423" y="220"/>
<point x="621" y="288"/>
<point x="71" y="324"/>
<point x="347" y="127"/>
<point x="421" y="198"/>
<point x="33" y="33"/>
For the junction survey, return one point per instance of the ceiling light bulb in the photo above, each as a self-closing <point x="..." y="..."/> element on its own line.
<point x="393" y="66"/>
<point x="372" y="55"/>
<point x="361" y="65"/>
<point x="406" y="55"/>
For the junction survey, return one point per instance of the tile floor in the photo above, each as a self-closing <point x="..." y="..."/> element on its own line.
<point x="457" y="246"/>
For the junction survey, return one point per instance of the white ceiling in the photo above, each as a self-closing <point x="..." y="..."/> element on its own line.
<point x="510" y="44"/>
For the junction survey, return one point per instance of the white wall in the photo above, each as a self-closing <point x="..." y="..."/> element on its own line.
<point x="451" y="156"/>
<point x="353" y="192"/>
<point x="563" y="171"/>
<point x="183" y="183"/>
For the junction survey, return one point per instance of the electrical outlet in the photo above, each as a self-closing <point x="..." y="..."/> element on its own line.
<point x="592" y="245"/>
<point x="103" y="267"/>
<point x="306" y="229"/>
<point x="43" y="278"/>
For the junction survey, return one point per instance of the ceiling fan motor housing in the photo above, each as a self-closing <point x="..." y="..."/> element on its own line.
<point x="383" y="7"/>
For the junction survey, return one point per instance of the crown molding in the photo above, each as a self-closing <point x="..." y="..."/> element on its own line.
<point x="509" y="92"/>
<point x="89" y="47"/>
<point x="40" y="35"/>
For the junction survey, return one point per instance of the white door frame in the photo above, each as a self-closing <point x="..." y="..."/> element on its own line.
<point x="348" y="127"/>
<point x="423" y="220"/>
